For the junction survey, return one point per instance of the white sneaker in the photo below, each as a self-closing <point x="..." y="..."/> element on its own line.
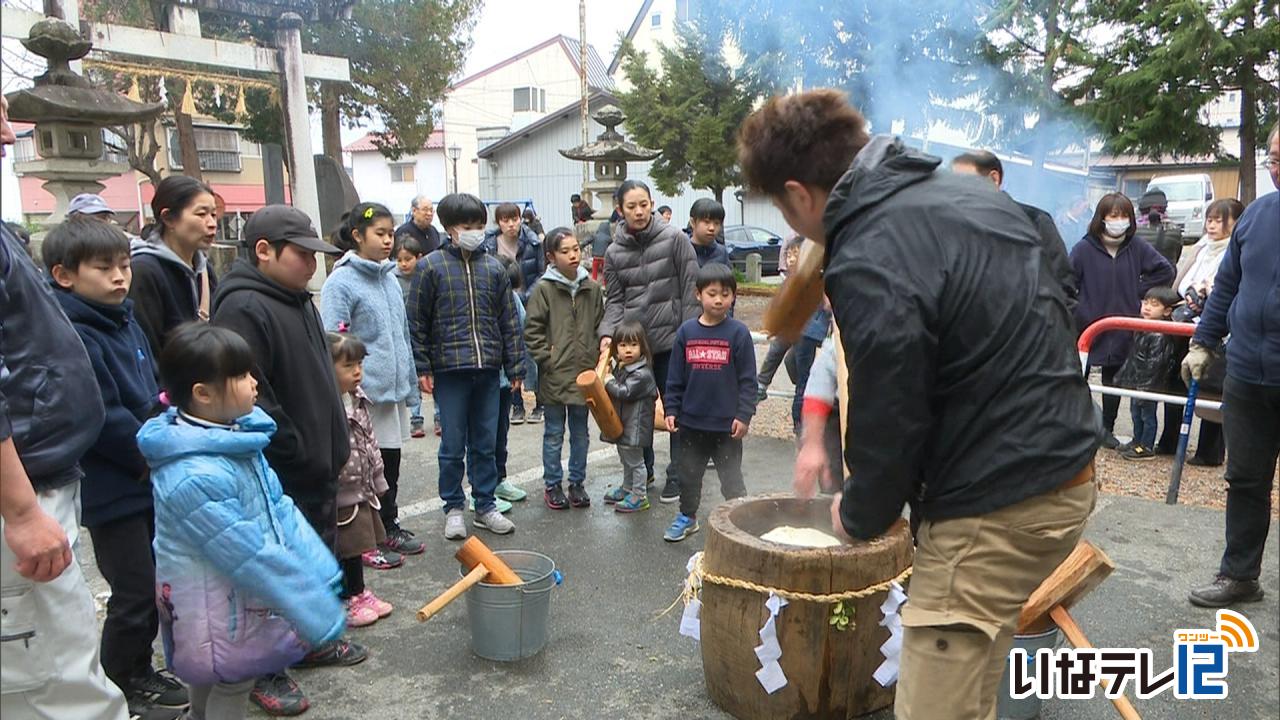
<point x="455" y="527"/>
<point x="494" y="522"/>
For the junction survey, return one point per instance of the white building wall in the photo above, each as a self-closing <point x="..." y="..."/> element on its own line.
<point x="371" y="174"/>
<point x="488" y="102"/>
<point x="534" y="169"/>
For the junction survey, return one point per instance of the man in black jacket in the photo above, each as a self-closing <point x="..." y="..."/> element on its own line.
<point x="1053" y="250"/>
<point x="265" y="300"/>
<point x="965" y="393"/>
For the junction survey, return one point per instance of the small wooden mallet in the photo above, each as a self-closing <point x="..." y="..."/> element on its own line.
<point x="598" y="401"/>
<point x="1083" y="570"/>
<point x="483" y="565"/>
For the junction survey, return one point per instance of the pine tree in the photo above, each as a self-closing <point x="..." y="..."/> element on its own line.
<point x="1148" y="88"/>
<point x="691" y="110"/>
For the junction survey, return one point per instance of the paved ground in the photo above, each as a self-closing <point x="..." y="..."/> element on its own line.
<point x="610" y="657"/>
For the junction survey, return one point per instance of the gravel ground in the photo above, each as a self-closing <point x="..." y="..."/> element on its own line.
<point x="1201" y="486"/>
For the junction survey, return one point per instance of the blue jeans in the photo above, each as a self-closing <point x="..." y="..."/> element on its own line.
<point x="415" y="407"/>
<point x="804" y="351"/>
<point x="504" y="427"/>
<point x="1143" y="413"/>
<point x="468" y="402"/>
<point x="553" y="441"/>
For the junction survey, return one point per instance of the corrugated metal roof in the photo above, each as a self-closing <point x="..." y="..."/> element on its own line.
<point x="365" y="144"/>
<point x="597" y="72"/>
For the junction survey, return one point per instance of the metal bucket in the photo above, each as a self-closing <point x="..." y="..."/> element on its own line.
<point x="509" y="622"/>
<point x="1027" y="708"/>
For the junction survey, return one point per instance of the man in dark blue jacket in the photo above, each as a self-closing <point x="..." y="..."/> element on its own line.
<point x="49" y="659"/>
<point x="89" y="263"/>
<point x="1246" y="301"/>
<point x="967" y="396"/>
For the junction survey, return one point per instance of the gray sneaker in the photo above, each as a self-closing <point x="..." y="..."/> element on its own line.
<point x="455" y="527"/>
<point x="495" y="522"/>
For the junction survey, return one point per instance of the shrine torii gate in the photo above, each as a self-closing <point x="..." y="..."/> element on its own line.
<point x="183" y="43"/>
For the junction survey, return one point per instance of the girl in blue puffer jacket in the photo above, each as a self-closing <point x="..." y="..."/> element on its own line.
<point x="245" y="586"/>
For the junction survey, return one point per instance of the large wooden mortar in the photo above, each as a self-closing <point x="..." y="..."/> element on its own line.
<point x="829" y="672"/>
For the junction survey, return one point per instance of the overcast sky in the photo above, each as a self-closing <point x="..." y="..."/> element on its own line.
<point x="506" y="27"/>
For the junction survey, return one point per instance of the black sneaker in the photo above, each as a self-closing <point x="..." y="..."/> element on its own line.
<point x="1138" y="452"/>
<point x="402" y="541"/>
<point x="337" y="653"/>
<point x="517" y="415"/>
<point x="578" y="496"/>
<point x="1110" y="442"/>
<point x="555" y="499"/>
<point x="535" y="416"/>
<point x="670" y="492"/>
<point x="158" y="690"/>
<point x="649" y="480"/>
<point x="1224" y="591"/>
<point x="277" y="694"/>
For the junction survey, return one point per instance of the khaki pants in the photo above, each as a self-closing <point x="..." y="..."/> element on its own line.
<point x="49" y="667"/>
<point x="971" y="577"/>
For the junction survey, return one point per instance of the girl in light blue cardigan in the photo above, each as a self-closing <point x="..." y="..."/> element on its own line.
<point x="363" y="297"/>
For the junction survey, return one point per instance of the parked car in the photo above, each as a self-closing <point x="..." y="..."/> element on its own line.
<point x="742" y="240"/>
<point x="1189" y="196"/>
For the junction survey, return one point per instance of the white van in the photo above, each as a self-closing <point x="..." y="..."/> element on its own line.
<point x="1189" y="196"/>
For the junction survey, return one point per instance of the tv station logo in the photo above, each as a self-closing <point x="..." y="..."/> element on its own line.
<point x="1199" y="671"/>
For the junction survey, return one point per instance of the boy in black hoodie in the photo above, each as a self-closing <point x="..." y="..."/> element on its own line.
<point x="88" y="261"/>
<point x="265" y="300"/>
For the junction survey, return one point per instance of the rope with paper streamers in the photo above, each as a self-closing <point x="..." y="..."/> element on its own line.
<point x="697" y="576"/>
<point x="135" y="71"/>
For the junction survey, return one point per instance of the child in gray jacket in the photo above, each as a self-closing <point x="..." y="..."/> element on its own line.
<point x="633" y="389"/>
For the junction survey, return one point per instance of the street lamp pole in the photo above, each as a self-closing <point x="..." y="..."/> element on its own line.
<point x="455" y="152"/>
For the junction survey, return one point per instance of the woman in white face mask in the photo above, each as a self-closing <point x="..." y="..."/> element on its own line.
<point x="1114" y="270"/>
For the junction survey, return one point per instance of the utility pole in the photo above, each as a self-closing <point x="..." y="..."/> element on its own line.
<point x="582" y="76"/>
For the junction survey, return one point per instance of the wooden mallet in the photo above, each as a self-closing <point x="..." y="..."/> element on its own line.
<point x="598" y="400"/>
<point x="1083" y="570"/>
<point x="483" y="564"/>
<point x="799" y="296"/>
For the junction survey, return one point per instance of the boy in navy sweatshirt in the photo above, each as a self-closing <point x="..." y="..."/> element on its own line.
<point x="711" y="395"/>
<point x="88" y="262"/>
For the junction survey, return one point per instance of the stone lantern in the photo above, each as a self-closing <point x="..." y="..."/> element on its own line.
<point x="69" y="115"/>
<point x="609" y="155"/>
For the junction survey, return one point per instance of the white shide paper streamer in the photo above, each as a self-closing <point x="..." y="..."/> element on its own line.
<point x="691" y="620"/>
<point x="769" y="652"/>
<point x="887" y="673"/>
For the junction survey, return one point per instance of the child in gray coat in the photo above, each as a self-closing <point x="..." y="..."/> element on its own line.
<point x="633" y="389"/>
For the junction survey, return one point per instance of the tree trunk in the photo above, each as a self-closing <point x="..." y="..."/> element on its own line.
<point x="330" y="125"/>
<point x="718" y="193"/>
<point x="187" y="145"/>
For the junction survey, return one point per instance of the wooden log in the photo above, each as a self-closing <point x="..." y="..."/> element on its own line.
<point x="474" y="553"/>
<point x="799" y="296"/>
<point x="829" y="672"/>
<point x="479" y="573"/>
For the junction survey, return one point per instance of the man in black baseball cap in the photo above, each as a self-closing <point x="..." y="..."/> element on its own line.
<point x="264" y="298"/>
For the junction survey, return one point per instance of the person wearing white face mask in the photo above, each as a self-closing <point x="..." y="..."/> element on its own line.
<point x="1115" y="270"/>
<point x="464" y="328"/>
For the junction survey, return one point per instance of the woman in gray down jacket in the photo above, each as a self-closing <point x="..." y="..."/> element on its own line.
<point x="649" y="272"/>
